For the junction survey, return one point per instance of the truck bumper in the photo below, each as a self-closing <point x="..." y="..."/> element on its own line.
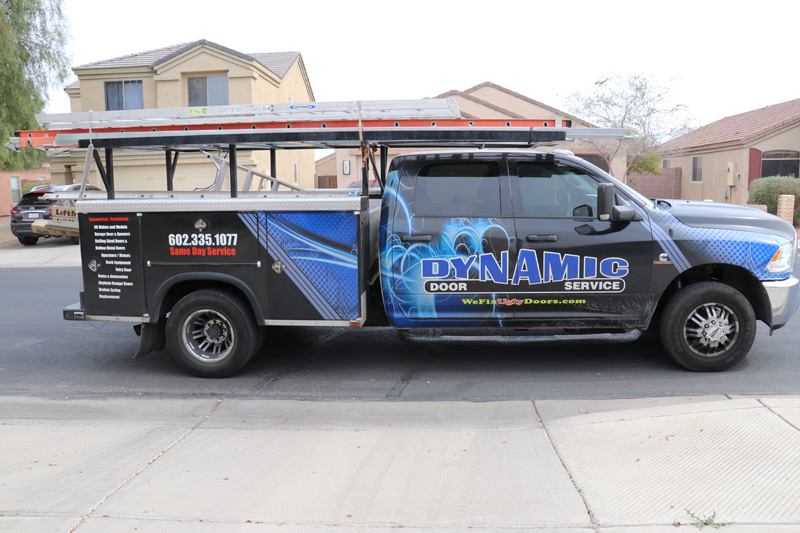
<point x="784" y="298"/>
<point x="74" y="312"/>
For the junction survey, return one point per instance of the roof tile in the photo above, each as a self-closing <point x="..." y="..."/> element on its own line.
<point x="740" y="128"/>
<point x="277" y="62"/>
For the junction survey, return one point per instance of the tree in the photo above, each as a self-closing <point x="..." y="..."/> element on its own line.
<point x="33" y="58"/>
<point x="640" y="106"/>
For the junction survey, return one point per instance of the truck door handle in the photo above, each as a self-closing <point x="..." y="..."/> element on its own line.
<point x="541" y="238"/>
<point x="421" y="237"/>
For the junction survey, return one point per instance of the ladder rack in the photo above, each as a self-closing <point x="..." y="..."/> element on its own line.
<point x="180" y="116"/>
<point x="399" y="123"/>
<point x="373" y="125"/>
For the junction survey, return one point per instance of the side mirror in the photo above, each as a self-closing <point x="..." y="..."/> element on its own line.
<point x="606" y="208"/>
<point x="623" y="213"/>
<point x="605" y="201"/>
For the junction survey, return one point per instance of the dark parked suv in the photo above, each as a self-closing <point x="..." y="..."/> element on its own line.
<point x="33" y="207"/>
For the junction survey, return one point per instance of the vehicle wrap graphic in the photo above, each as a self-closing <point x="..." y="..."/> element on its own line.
<point x="481" y="273"/>
<point x="465" y="274"/>
<point x="318" y="253"/>
<point x="692" y="246"/>
<point x="401" y="270"/>
<point x="462" y="272"/>
<point x="400" y="262"/>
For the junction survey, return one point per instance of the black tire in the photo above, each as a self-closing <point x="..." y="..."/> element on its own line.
<point x="262" y="338"/>
<point x="27" y="240"/>
<point x="75" y="240"/>
<point x="708" y="327"/>
<point x="212" y="333"/>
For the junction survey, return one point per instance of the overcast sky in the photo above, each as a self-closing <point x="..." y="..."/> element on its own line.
<point x="720" y="58"/>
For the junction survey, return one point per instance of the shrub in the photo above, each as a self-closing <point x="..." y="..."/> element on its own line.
<point x="765" y="191"/>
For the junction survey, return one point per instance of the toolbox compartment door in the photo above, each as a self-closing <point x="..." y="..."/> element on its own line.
<point x="313" y="271"/>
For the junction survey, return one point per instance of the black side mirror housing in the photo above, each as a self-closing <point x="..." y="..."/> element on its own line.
<point x="605" y="201"/>
<point x="606" y="208"/>
<point x="623" y="213"/>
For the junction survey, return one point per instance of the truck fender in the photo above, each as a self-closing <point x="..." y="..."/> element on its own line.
<point x="214" y="277"/>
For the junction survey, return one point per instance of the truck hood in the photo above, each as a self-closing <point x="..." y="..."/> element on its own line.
<point x="730" y="216"/>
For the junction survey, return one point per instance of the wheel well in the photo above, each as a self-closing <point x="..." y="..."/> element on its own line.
<point x="182" y="288"/>
<point x="734" y="276"/>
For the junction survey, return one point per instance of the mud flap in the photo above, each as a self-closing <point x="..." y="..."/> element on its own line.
<point x="153" y="337"/>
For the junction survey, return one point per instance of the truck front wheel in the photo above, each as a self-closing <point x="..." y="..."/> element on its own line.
<point x="212" y="333"/>
<point x="708" y="327"/>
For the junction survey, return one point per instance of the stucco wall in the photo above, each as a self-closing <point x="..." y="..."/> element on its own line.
<point x="25" y="176"/>
<point x="293" y="86"/>
<point x="5" y="194"/>
<point x="782" y="140"/>
<point x="476" y="109"/>
<point x="511" y="102"/>
<point x="242" y="74"/>
<point x="716" y="163"/>
<point x="715" y="176"/>
<point x="92" y="96"/>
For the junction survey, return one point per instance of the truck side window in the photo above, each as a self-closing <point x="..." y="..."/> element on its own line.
<point x="460" y="189"/>
<point x="554" y="190"/>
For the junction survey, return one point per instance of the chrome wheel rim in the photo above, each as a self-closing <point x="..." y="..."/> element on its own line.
<point x="208" y="336"/>
<point x="711" y="329"/>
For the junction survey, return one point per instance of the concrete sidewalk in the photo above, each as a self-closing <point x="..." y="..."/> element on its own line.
<point x="209" y="465"/>
<point x="53" y="252"/>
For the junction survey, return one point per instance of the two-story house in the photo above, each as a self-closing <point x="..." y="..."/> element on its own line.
<point x="196" y="74"/>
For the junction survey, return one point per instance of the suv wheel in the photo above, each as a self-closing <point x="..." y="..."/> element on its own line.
<point x="28" y="241"/>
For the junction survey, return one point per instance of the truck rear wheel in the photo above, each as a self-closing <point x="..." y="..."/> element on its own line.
<point x="212" y="333"/>
<point x="708" y="327"/>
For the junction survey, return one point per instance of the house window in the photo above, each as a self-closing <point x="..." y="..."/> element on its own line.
<point x="15" y="192"/>
<point x="124" y="95"/>
<point x="666" y="163"/>
<point x="780" y="163"/>
<point x="697" y="169"/>
<point x="208" y="90"/>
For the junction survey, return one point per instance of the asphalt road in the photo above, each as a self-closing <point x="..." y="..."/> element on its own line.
<point x="43" y="355"/>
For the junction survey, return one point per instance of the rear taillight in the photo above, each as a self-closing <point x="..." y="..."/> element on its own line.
<point x="14" y="211"/>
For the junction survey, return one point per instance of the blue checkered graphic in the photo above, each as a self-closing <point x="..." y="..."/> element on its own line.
<point x="749" y="250"/>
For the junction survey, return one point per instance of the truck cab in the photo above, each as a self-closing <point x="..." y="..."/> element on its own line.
<point x="495" y="239"/>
